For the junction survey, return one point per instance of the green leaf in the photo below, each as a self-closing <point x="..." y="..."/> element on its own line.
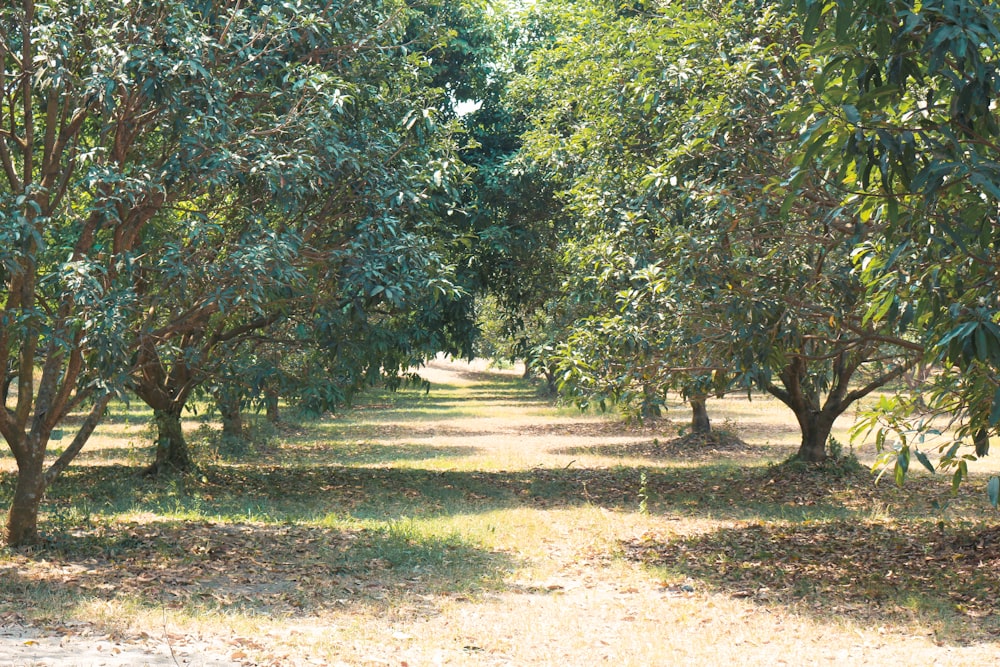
<point x="852" y="115"/>
<point x="902" y="465"/>
<point x="845" y="15"/>
<point x="924" y="461"/>
<point x="960" y="331"/>
<point x="812" y="19"/>
<point x="982" y="348"/>
<point x="995" y="411"/>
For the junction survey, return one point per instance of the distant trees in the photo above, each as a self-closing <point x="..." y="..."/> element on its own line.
<point x="182" y="178"/>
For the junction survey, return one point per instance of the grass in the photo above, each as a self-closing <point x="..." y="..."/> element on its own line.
<point x="480" y="525"/>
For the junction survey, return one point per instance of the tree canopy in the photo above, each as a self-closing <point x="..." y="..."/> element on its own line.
<point x="667" y="134"/>
<point x="183" y="176"/>
<point x="247" y="200"/>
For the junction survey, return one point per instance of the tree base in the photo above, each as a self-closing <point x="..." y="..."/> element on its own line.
<point x="164" y="469"/>
<point x="837" y="467"/>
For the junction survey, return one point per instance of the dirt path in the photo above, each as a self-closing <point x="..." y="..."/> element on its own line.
<point x="23" y="645"/>
<point x="566" y="598"/>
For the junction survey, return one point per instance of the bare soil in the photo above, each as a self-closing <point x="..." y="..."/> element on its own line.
<point x="78" y="644"/>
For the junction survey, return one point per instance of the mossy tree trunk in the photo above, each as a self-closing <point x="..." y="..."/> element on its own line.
<point x="651" y="404"/>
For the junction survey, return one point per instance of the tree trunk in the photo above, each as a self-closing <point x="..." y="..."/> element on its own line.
<point x="699" y="415"/>
<point x="22" y="519"/>
<point x="232" y="416"/>
<point x="815" y="426"/>
<point x="550" y="382"/>
<point x="271" y="405"/>
<point x="8" y="380"/>
<point x="171" y="449"/>
<point x="650" y="402"/>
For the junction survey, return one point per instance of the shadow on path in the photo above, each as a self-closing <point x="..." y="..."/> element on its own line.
<point x="305" y="492"/>
<point x="256" y="569"/>
<point x="868" y="571"/>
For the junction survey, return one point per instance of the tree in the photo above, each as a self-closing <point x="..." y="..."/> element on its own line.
<point x="175" y="174"/>
<point x="665" y="129"/>
<point x="74" y="207"/>
<point x="358" y="237"/>
<point x="901" y="109"/>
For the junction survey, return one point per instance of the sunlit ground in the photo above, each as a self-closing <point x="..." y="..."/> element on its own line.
<point x="481" y="525"/>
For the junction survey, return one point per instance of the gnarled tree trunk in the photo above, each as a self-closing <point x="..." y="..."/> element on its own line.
<point x="700" y="422"/>
<point x="166" y="391"/>
<point x="815" y="426"/>
<point x="32" y="477"/>
<point x="171" y="448"/>
<point x="816" y="417"/>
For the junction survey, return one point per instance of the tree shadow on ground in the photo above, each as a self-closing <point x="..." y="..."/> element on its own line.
<point x="343" y="453"/>
<point x="391" y="430"/>
<point x="253" y="569"/>
<point x="448" y="397"/>
<point x="304" y="492"/>
<point x="484" y="376"/>
<point x="597" y="428"/>
<point x="871" y="572"/>
<point x="717" y="490"/>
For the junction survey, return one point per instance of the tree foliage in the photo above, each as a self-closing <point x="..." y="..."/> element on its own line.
<point x="247" y="199"/>
<point x="665" y="132"/>
<point x="901" y="109"/>
<point x="182" y="176"/>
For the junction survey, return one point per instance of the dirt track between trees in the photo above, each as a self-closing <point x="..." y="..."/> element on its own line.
<point x="24" y="645"/>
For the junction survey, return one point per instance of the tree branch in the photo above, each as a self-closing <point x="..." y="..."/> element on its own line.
<point x="82" y="435"/>
<point x="880" y="381"/>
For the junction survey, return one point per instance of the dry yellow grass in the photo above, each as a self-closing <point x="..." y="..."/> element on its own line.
<point x="562" y="594"/>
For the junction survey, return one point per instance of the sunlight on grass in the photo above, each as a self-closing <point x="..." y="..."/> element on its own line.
<point x="479" y="523"/>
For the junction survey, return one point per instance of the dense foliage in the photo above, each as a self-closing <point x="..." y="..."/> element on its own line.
<point x="184" y="180"/>
<point x="902" y="110"/>
<point x="706" y="256"/>
<point x="289" y="199"/>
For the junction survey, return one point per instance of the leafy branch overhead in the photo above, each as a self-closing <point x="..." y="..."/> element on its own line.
<point x="264" y="201"/>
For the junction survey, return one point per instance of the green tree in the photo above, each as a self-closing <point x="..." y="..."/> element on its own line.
<point x="176" y="173"/>
<point x="665" y="131"/>
<point x="901" y="109"/>
<point x="370" y="224"/>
